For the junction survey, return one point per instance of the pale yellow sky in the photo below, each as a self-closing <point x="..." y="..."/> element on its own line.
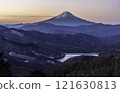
<point x="18" y="11"/>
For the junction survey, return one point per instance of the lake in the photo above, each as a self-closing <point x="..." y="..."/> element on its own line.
<point x="71" y="55"/>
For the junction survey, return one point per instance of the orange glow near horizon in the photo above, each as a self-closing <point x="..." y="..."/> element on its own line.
<point x="23" y="11"/>
<point x="22" y="19"/>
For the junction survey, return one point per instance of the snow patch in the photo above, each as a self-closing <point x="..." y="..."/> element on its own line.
<point x="26" y="61"/>
<point x="52" y="62"/>
<point x="17" y="33"/>
<point x="21" y="56"/>
<point x="64" y="15"/>
<point x="12" y="53"/>
<point x="38" y="54"/>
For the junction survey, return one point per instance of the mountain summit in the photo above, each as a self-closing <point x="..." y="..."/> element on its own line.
<point x="65" y="15"/>
<point x="58" y="23"/>
<point x="67" y="19"/>
<point x="64" y="19"/>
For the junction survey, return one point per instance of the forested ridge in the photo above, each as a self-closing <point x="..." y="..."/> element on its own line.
<point x="108" y="66"/>
<point x="89" y="67"/>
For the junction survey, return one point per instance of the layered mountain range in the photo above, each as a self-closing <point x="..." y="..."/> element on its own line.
<point x="42" y="43"/>
<point x="67" y="23"/>
<point x="35" y="47"/>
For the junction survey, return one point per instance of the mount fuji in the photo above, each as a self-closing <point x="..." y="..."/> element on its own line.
<point x="58" y="24"/>
<point x="67" y="23"/>
<point x="67" y="19"/>
<point x="64" y="19"/>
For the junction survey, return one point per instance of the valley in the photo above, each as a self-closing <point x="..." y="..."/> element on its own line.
<point x="64" y="39"/>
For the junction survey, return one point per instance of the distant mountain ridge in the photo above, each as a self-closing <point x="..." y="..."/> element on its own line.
<point x="97" y="30"/>
<point x="24" y="42"/>
<point x="67" y="23"/>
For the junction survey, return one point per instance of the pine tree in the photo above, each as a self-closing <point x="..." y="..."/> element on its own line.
<point x="5" y="68"/>
<point x="37" y="73"/>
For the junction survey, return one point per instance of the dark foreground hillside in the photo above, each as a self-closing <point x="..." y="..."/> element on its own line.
<point x="89" y="67"/>
<point x="75" y="67"/>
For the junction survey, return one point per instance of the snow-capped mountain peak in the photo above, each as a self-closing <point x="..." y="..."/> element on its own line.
<point x="67" y="19"/>
<point x="64" y="15"/>
<point x="64" y="19"/>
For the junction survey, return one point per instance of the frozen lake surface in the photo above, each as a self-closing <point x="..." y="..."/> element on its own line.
<point x="70" y="55"/>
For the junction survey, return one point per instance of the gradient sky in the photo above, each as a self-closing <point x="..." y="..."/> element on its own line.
<point x="19" y="11"/>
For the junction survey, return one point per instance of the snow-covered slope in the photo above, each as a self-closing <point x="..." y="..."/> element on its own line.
<point x="17" y="33"/>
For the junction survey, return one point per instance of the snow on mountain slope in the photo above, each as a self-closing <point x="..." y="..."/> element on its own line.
<point x="21" y="56"/>
<point x="62" y="22"/>
<point x="17" y="33"/>
<point x="64" y="19"/>
<point x="64" y="15"/>
<point x="68" y="19"/>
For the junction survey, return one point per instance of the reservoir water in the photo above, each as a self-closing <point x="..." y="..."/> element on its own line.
<point x="71" y="55"/>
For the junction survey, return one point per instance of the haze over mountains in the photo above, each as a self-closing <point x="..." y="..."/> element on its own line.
<point x="67" y="23"/>
<point x="64" y="19"/>
<point x="42" y="43"/>
<point x="39" y="48"/>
